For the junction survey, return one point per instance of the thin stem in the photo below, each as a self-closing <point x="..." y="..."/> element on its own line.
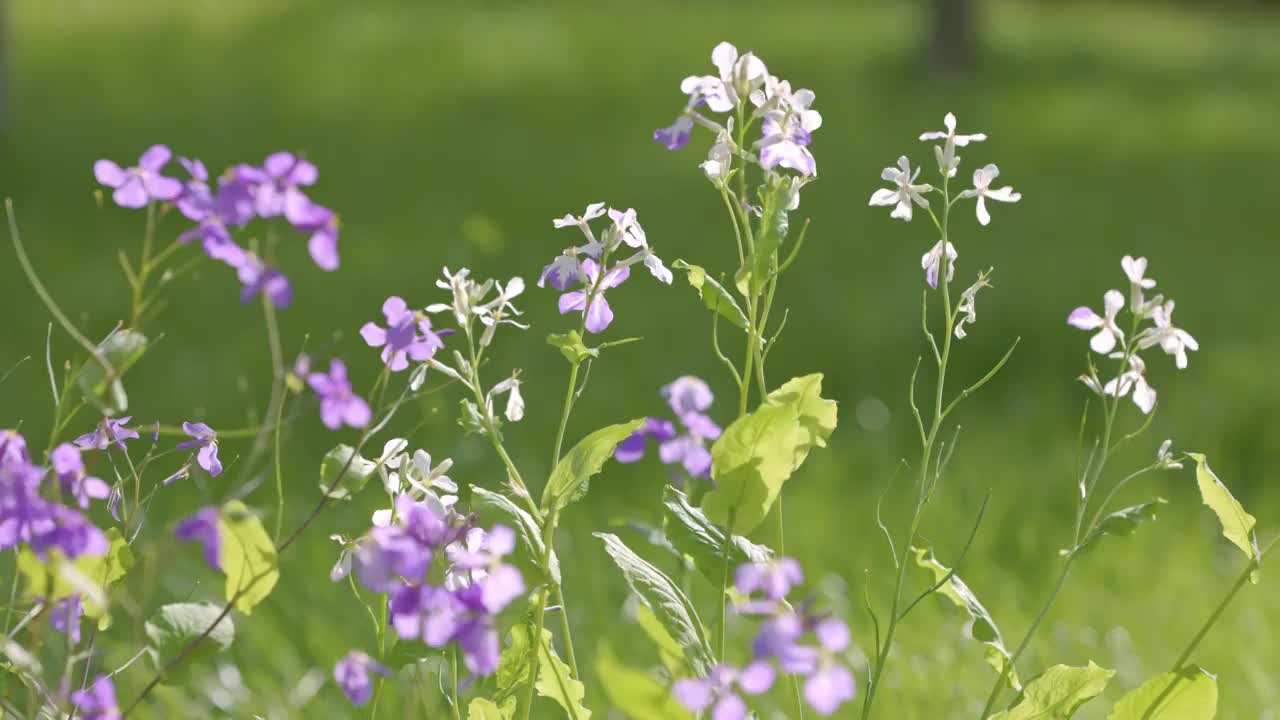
<point x="564" y="413"/>
<point x="453" y="691"/>
<point x="1222" y="606"/>
<point x="724" y="584"/>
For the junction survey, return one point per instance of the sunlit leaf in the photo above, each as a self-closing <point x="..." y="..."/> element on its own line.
<point x="248" y="557"/>
<point x="669" y="651"/>
<point x="635" y="693"/>
<point x="572" y="347"/>
<point x="103" y="387"/>
<point x="175" y="626"/>
<point x="1237" y="525"/>
<point x="48" y="578"/>
<point x="690" y="532"/>
<point x="344" y="472"/>
<point x="1123" y="523"/>
<point x="572" y="475"/>
<point x="1188" y="694"/>
<point x="554" y="678"/>
<point x="713" y="294"/>
<point x="1057" y="693"/>
<point x="486" y="709"/>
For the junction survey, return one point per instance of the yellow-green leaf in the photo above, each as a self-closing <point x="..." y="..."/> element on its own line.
<point x="248" y="557"/>
<point x="635" y="693"/>
<point x="669" y="651"/>
<point x="556" y="682"/>
<point x="1237" y="525"/>
<point x="1187" y="694"/>
<point x="1057" y="693"/>
<point x="51" y="580"/>
<point x="713" y="294"/>
<point x="486" y="709"/>
<point x="571" y="476"/>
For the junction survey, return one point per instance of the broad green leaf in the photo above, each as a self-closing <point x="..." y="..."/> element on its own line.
<point x="103" y="388"/>
<point x="486" y="709"/>
<point x="344" y="472"/>
<point x="1188" y="694"/>
<point x="531" y="547"/>
<point x="1237" y="525"/>
<point x="52" y="579"/>
<point x="248" y="557"/>
<point x="554" y="679"/>
<point x="713" y="294"/>
<point x="572" y="347"/>
<point x="571" y="476"/>
<point x="983" y="628"/>
<point x="669" y="651"/>
<point x="175" y="626"/>
<point x="513" y="664"/>
<point x="635" y="693"/>
<point x="669" y="605"/>
<point x="1057" y="693"/>
<point x="1123" y="523"/>
<point x="689" y="530"/>
<point x="816" y="414"/>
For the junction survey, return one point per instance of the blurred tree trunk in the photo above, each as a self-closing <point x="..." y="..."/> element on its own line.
<point x="952" y="35"/>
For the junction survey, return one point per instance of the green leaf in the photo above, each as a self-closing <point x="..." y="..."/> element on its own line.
<point x="758" y="452"/>
<point x="669" y="605"/>
<point x="669" y="651"/>
<point x="1237" y="525"/>
<point x="1123" y="523"/>
<point x="513" y="664"/>
<point x="713" y="294"/>
<point x="530" y="548"/>
<point x="175" y="626"/>
<point x="689" y="530"/>
<point x="983" y="628"/>
<point x="103" y="388"/>
<point x="248" y="557"/>
<point x="773" y="228"/>
<point x="635" y="693"/>
<point x="56" y="578"/>
<point x="1187" y="694"/>
<point x="344" y="472"/>
<point x="571" y="476"/>
<point x="1057" y="693"/>
<point x="572" y="347"/>
<point x="554" y="679"/>
<point x="486" y="709"/>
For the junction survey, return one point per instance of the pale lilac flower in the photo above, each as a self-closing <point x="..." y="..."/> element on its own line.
<point x="719" y="690"/>
<point x="739" y="76"/>
<point x="1109" y="333"/>
<point x="68" y="465"/>
<point x="688" y="398"/>
<point x="98" y="702"/>
<point x="110" y="431"/>
<point x="1134" y="378"/>
<point x="352" y="675"/>
<point x="479" y="565"/>
<point x="65" y="616"/>
<point x="408" y="335"/>
<point x="946" y="153"/>
<point x="677" y="135"/>
<point x="787" y="128"/>
<point x="1136" y="269"/>
<point x="720" y="157"/>
<point x="967" y="311"/>
<point x="322" y="224"/>
<point x="137" y="186"/>
<point x="203" y="527"/>
<point x="632" y="448"/>
<point x="599" y="315"/>
<point x="906" y="192"/>
<point x="212" y="213"/>
<point x="1172" y="340"/>
<point x="773" y="579"/>
<point x="339" y="405"/>
<point x="256" y="277"/>
<point x="562" y="272"/>
<point x="277" y="186"/>
<point x="931" y="261"/>
<point x="982" y="179"/>
<point x="687" y="394"/>
<point x="13" y="447"/>
<point x="830" y="684"/>
<point x="204" y="438"/>
<point x="627" y="227"/>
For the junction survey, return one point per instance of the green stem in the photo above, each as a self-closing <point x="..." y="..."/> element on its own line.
<point x="1222" y="606"/>
<point x="565" y="412"/>
<point x="453" y="662"/>
<point x="724" y="584"/>
<point x="382" y="654"/>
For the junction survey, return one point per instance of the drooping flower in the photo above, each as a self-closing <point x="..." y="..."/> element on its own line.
<point x="68" y="465"/>
<point x="720" y="157"/>
<point x="967" y="311"/>
<point x="1109" y="333"/>
<point x="906" y="192"/>
<point x="322" y="224"/>
<point x="931" y="261"/>
<point x="352" y="675"/>
<point x="99" y="701"/>
<point x="946" y="153"/>
<point x="982" y="179"/>
<point x="202" y="527"/>
<point x="65" y="616"/>
<point x="256" y="277"/>
<point x="408" y="335"/>
<point x="719" y="690"/>
<point x="514" y="411"/>
<point x="204" y="438"/>
<point x="1134" y="378"/>
<point x="677" y="135"/>
<point x="1172" y="340"/>
<point x="137" y="186"/>
<point x="339" y="405"/>
<point x="110" y="431"/>
<point x="599" y="314"/>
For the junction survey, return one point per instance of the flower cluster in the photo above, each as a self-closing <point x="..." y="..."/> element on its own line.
<point x="1162" y="333"/>
<point x="689" y="398"/>
<point x="786" y="118"/>
<point x="27" y="516"/>
<point x="243" y="193"/>
<point x="799" y="641"/>
<point x="587" y="266"/>
<point x="407" y="336"/>
<point x="396" y="558"/>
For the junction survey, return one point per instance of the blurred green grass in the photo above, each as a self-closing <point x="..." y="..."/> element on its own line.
<point x="449" y="134"/>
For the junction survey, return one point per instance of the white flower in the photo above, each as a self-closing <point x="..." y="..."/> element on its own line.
<point x="720" y="157"/>
<point x="982" y="179"/>
<point x="500" y="311"/>
<point x="390" y="462"/>
<point x="1135" y="269"/>
<point x="627" y="228"/>
<point x="946" y="153"/>
<point x="739" y="76"/>
<point x="906" y="193"/>
<point x="776" y="95"/>
<point x="1164" y="458"/>
<point x="930" y="261"/>
<point x="1086" y="319"/>
<point x="966" y="311"/>
<point x="514" y="411"/>
<point x="426" y="479"/>
<point x="1172" y="340"/>
<point x="342" y="567"/>
<point x="472" y="543"/>
<point x="794" y="183"/>
<point x="1144" y="396"/>
<point x="593" y="211"/>
<point x="656" y="268"/>
<point x="463" y="290"/>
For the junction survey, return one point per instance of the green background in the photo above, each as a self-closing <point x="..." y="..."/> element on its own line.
<point x="452" y="134"/>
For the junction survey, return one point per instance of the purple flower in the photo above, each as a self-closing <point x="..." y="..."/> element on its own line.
<point x="207" y="440"/>
<point x="110" y="431"/>
<point x="13" y="447"/>
<point x="719" y="690"/>
<point x="785" y="140"/>
<point x="65" y="616"/>
<point x="322" y="223"/>
<point x="256" y="277"/>
<point x="677" y="135"/>
<point x="99" y="701"/>
<point x="599" y="314"/>
<point x="69" y="531"/>
<point x="276" y="184"/>
<point x="22" y="510"/>
<point x="438" y="616"/>
<point x="688" y="394"/>
<point x="137" y="186"/>
<point x="773" y="579"/>
<point x="352" y="675"/>
<point x="690" y="449"/>
<point x="338" y="404"/>
<point x="632" y="449"/>
<point x="478" y="572"/>
<point x="69" y="467"/>
<point x="408" y="335"/>
<point x="202" y="527"/>
<point x="829" y="683"/>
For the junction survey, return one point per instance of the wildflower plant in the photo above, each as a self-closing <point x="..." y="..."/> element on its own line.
<point x="459" y="572"/>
